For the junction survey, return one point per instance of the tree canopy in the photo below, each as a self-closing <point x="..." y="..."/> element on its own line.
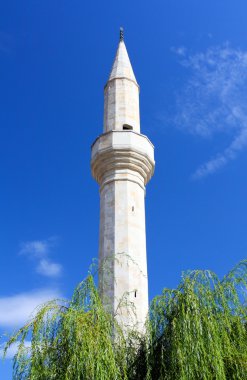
<point x="197" y="331"/>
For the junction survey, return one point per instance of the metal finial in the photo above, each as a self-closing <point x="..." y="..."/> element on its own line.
<point x="121" y="34"/>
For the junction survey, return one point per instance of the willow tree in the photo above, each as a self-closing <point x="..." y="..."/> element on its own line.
<point x="197" y="331"/>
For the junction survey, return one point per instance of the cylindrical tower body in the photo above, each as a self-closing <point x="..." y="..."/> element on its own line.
<point x="122" y="163"/>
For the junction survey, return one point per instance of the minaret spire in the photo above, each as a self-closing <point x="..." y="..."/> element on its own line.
<point x="122" y="67"/>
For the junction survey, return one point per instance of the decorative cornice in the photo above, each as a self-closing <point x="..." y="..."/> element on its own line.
<point x="119" y="163"/>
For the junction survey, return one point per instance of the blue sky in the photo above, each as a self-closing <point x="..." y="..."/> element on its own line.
<point x="190" y="59"/>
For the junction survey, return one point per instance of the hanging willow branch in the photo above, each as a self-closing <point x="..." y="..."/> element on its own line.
<point x="195" y="332"/>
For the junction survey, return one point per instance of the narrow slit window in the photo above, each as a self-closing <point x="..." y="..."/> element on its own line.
<point x="135" y="293"/>
<point x="127" y="127"/>
<point x="133" y="208"/>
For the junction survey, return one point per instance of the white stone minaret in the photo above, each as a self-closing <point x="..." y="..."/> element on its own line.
<point x="122" y="163"/>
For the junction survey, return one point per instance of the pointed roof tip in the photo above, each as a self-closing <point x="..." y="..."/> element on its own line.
<point x="122" y="67"/>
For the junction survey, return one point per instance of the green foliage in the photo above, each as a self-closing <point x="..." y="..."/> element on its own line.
<point x="195" y="332"/>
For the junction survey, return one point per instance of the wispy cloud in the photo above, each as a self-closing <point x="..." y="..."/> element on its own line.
<point x="48" y="268"/>
<point x="39" y="250"/>
<point x="180" y="50"/>
<point x="15" y="310"/>
<point x="214" y="101"/>
<point x="36" y="248"/>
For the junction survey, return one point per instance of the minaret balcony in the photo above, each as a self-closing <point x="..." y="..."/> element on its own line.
<point x="122" y="155"/>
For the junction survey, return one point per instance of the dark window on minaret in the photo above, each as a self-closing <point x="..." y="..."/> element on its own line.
<point x="127" y="127"/>
<point x="135" y="293"/>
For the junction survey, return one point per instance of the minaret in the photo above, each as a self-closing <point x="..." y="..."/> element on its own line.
<point x="122" y="163"/>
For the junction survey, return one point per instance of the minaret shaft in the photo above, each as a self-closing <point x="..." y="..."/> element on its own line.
<point x="122" y="163"/>
<point x="122" y="232"/>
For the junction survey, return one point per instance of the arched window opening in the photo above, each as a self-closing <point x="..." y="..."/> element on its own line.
<point x="127" y="127"/>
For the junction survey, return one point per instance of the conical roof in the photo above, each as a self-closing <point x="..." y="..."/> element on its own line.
<point x="122" y="67"/>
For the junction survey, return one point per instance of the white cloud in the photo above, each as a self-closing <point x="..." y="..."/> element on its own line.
<point x="36" y="248"/>
<point x="39" y="250"/>
<point x="12" y="349"/>
<point x="181" y="50"/>
<point x="214" y="101"/>
<point x="48" y="268"/>
<point x="17" y="309"/>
